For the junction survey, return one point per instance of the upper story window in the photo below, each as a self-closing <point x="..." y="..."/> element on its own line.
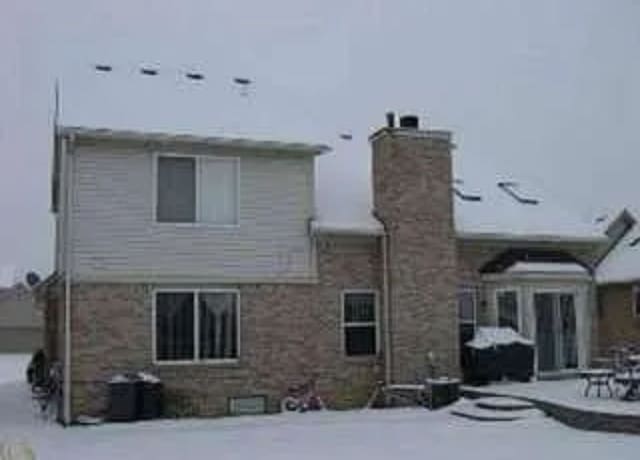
<point x="636" y="301"/>
<point x="508" y="309"/>
<point x="197" y="189"/>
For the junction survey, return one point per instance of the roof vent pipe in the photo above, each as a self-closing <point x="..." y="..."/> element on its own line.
<point x="409" y="122"/>
<point x="391" y="120"/>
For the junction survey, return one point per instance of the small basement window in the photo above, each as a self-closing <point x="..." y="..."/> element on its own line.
<point x="359" y="323"/>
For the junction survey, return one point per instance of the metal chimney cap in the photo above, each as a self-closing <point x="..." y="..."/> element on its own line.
<point x="409" y="121"/>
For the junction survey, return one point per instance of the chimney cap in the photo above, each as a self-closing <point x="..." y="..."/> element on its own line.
<point x="409" y="121"/>
<point x="391" y="119"/>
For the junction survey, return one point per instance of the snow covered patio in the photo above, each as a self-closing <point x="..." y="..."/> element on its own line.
<point x="565" y="400"/>
<point x="371" y="434"/>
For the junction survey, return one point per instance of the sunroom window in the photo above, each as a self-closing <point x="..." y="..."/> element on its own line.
<point x="508" y="309"/>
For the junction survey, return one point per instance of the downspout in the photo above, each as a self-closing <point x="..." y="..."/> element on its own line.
<point x="67" y="281"/>
<point x="386" y="307"/>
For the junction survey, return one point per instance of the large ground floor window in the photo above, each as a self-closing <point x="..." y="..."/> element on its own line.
<point x="196" y="325"/>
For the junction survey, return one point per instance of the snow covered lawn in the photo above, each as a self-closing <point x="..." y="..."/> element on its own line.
<point x="368" y="434"/>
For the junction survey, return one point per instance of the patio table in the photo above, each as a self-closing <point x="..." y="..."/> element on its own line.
<point x="598" y="378"/>
<point x="634" y="359"/>
<point x="631" y="380"/>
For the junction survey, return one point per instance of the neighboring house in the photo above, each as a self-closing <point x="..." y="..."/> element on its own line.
<point x="618" y="277"/>
<point x="20" y="320"/>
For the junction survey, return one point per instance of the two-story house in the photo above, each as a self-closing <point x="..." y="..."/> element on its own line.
<point x="215" y="263"/>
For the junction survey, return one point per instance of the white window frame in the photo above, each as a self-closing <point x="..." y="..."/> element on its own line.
<point x="635" y="290"/>
<point x="198" y="172"/>
<point x="517" y="290"/>
<point x="474" y="294"/>
<point x="344" y="324"/>
<point x="196" y="324"/>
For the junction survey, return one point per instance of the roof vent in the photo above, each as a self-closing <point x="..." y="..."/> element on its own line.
<point x="462" y="195"/>
<point x="510" y="188"/>
<point x="148" y="71"/>
<point x="194" y="76"/>
<point x="409" y="121"/>
<point x="103" y="68"/>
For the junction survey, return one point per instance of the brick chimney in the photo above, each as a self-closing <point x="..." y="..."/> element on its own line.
<point x="412" y="197"/>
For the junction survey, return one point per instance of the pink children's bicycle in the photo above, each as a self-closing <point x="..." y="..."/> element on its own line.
<point x="302" y="398"/>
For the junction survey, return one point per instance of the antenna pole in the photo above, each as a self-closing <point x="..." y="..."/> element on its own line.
<point x="56" y="113"/>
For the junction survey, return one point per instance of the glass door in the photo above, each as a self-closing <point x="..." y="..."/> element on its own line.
<point x="545" y="333"/>
<point x="555" y="330"/>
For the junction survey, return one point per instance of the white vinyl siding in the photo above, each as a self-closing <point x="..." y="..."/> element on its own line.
<point x="115" y="236"/>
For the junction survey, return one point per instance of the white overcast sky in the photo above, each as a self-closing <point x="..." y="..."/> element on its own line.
<point x="545" y="90"/>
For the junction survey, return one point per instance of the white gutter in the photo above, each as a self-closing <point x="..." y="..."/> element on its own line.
<point x="533" y="237"/>
<point x="68" y="175"/>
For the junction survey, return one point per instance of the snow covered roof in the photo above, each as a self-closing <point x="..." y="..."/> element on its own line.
<point x="501" y="215"/>
<point x="622" y="263"/>
<point x="120" y="102"/>
<point x="547" y="267"/>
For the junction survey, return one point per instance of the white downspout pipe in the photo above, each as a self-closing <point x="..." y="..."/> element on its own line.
<point x="386" y="301"/>
<point x="67" y="281"/>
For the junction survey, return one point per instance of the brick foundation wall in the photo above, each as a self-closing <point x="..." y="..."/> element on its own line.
<point x="289" y="333"/>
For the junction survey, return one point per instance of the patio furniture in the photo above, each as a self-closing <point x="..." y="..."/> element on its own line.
<point x="630" y="380"/>
<point x="597" y="378"/>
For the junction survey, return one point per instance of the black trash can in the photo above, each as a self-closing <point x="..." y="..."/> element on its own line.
<point x="150" y="399"/>
<point x="122" y="399"/>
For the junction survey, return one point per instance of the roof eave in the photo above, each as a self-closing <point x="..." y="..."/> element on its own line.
<point x="531" y="237"/>
<point x="218" y="141"/>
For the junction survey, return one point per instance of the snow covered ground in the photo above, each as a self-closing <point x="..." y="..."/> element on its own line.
<point x="397" y="434"/>
<point x="569" y="393"/>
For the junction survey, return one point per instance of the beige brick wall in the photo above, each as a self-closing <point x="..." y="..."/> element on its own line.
<point x="289" y="333"/>
<point x="616" y="323"/>
<point x="412" y="196"/>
